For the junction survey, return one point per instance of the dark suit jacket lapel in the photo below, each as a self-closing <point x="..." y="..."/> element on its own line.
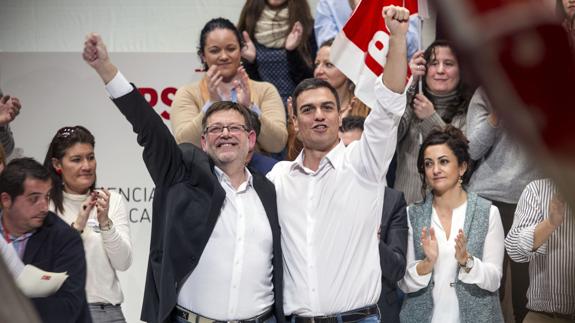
<point x="266" y="198"/>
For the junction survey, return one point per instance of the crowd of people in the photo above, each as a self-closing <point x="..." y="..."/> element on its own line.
<point x="273" y="198"/>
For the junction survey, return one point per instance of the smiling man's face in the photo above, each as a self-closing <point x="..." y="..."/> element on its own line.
<point x="228" y="146"/>
<point x="318" y="119"/>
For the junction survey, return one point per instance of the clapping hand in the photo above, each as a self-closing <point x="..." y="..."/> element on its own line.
<point x="241" y="85"/>
<point x="87" y="206"/>
<point x="557" y="210"/>
<point x="293" y="39"/>
<point x="429" y="244"/>
<point x="249" y="50"/>
<point x="102" y="205"/>
<point x="461" y="248"/>
<point x="214" y="79"/>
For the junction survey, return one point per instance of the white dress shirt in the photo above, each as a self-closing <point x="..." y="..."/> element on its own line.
<point x="233" y="278"/>
<point x="106" y="251"/>
<point x="330" y="218"/>
<point x="486" y="273"/>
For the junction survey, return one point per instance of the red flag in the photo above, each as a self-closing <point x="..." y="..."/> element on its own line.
<point x="520" y="53"/>
<point x="360" y="50"/>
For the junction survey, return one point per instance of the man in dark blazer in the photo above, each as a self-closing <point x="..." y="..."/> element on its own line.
<point x="43" y="240"/>
<point x="393" y="233"/>
<point x="392" y="249"/>
<point x="189" y="203"/>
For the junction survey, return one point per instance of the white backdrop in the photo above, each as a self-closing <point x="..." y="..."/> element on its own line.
<point x="153" y="42"/>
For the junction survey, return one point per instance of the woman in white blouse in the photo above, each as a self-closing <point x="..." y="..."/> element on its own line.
<point x="98" y="215"/>
<point x="455" y="243"/>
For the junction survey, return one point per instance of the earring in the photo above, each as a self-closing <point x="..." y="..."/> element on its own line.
<point x="59" y="171"/>
<point x="460" y="180"/>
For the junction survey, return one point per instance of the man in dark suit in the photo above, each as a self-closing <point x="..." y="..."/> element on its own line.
<point x="215" y="252"/>
<point x="392" y="249"/>
<point x="392" y="234"/>
<point x="43" y="240"/>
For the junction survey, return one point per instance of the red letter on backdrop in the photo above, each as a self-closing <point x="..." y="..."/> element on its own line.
<point x="150" y="95"/>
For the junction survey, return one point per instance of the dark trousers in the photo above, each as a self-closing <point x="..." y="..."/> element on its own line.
<point x="519" y="271"/>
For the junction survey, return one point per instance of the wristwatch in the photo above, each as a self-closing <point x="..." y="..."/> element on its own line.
<point x="107" y="226"/>
<point x="468" y="264"/>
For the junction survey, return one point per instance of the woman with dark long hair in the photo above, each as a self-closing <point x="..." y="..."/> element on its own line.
<point x="455" y="242"/>
<point x="226" y="80"/>
<point x="99" y="215"/>
<point x="443" y="101"/>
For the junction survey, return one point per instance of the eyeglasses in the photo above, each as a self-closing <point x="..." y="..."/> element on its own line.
<point x="233" y="128"/>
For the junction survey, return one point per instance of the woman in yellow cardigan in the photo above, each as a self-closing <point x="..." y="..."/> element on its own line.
<point x="226" y="80"/>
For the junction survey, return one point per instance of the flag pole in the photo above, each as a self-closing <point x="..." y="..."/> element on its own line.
<point x="422" y="14"/>
<point x="420" y="46"/>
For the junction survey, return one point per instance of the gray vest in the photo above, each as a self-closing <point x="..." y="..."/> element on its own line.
<point x="476" y="305"/>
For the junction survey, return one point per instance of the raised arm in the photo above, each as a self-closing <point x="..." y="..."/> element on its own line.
<point x="161" y="154"/>
<point x="374" y="151"/>
<point x="395" y="73"/>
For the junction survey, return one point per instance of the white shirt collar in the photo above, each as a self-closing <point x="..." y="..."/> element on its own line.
<point x="223" y="178"/>
<point x="334" y="158"/>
